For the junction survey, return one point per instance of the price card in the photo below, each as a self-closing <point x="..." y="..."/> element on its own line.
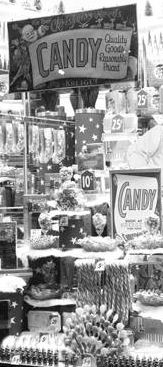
<point x="15" y="359"/>
<point x="63" y="221"/>
<point x="88" y="181"/>
<point x="100" y="266"/>
<point x="88" y="361"/>
<point x="142" y="101"/>
<point x="117" y="124"/>
<point x="55" y="322"/>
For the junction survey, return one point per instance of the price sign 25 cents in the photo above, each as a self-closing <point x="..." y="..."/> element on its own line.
<point x="117" y="124"/>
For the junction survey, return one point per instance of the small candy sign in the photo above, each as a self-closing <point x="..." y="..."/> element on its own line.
<point x="135" y="196"/>
<point x="117" y="124"/>
<point x="88" y="181"/>
<point x="142" y="101"/>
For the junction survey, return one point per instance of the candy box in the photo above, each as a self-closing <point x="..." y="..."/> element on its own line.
<point x="73" y="227"/>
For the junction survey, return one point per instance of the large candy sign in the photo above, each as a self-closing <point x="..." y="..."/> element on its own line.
<point x="135" y="196"/>
<point x="68" y="50"/>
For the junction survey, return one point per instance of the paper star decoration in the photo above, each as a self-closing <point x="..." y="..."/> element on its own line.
<point x="94" y="137"/>
<point x="73" y="240"/>
<point x="82" y="129"/>
<point x="49" y="167"/>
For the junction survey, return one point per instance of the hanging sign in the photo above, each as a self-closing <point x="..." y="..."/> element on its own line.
<point x="142" y="101"/>
<point x="117" y="124"/>
<point x="88" y="181"/>
<point x="135" y="196"/>
<point x="55" y="52"/>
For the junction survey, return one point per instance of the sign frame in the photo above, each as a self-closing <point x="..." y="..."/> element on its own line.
<point x="155" y="172"/>
<point x="74" y="50"/>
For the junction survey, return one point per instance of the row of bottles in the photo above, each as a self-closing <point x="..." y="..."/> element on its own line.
<point x="128" y="361"/>
<point x="37" y="357"/>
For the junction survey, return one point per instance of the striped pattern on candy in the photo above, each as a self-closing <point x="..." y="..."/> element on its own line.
<point x="126" y="293"/>
<point x="117" y="290"/>
<point x="87" y="286"/>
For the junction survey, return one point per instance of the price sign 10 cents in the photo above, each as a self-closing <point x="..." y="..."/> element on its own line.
<point x="88" y="181"/>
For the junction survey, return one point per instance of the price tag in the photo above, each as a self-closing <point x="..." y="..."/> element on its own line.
<point x="63" y="221"/>
<point x="88" y="181"/>
<point x="15" y="359"/>
<point x="100" y="266"/>
<point x="88" y="361"/>
<point x="117" y="124"/>
<point x="142" y="101"/>
<point x="54" y="322"/>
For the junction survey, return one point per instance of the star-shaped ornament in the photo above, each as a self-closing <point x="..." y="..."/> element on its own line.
<point x="49" y="167"/>
<point x="73" y="240"/>
<point x="82" y="129"/>
<point x="94" y="137"/>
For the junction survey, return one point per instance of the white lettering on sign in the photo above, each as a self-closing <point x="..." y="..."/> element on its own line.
<point x="98" y="53"/>
<point x="135" y="200"/>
